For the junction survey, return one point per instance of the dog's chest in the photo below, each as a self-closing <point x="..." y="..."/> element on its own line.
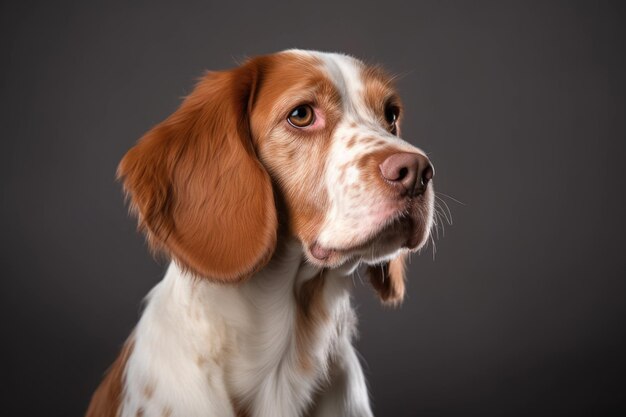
<point x="285" y="354"/>
<point x="260" y="349"/>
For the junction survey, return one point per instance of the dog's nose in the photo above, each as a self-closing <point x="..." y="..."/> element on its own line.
<point x="410" y="172"/>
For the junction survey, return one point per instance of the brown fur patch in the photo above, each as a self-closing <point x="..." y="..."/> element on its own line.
<point x="310" y="315"/>
<point x="240" y="411"/>
<point x="148" y="391"/>
<point x="296" y="158"/>
<point x="351" y="142"/>
<point x="239" y="408"/>
<point x="380" y="91"/>
<point x="199" y="191"/>
<point x="106" y="400"/>
<point x="388" y="280"/>
<point x="201" y="361"/>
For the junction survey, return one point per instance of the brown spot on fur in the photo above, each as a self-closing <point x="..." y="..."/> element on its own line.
<point x="241" y="413"/>
<point x="239" y="408"/>
<point x="342" y="176"/>
<point x="200" y="360"/>
<point x="351" y="142"/>
<point x="388" y="280"/>
<point x="310" y="315"/>
<point x="167" y="412"/>
<point x="148" y="391"/>
<point x="106" y="400"/>
<point x="139" y="412"/>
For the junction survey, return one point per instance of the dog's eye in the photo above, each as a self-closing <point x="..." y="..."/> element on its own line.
<point x="391" y="116"/>
<point x="301" y="116"/>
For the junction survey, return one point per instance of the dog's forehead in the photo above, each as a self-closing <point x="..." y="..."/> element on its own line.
<point x="356" y="83"/>
<point x="343" y="71"/>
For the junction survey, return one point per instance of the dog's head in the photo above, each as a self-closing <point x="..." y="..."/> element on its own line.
<point x="321" y="131"/>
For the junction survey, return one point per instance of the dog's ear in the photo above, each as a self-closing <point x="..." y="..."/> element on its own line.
<point x="196" y="185"/>
<point x="388" y="280"/>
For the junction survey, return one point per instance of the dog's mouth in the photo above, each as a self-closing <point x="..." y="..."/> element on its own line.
<point x="407" y="228"/>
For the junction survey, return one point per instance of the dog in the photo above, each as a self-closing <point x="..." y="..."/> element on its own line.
<point x="268" y="188"/>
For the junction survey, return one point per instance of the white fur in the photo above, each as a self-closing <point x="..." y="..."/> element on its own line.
<point x="199" y="344"/>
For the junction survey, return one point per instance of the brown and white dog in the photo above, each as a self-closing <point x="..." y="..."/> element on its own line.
<point x="269" y="186"/>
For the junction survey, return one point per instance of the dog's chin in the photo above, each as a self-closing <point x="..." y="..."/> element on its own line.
<point x="401" y="233"/>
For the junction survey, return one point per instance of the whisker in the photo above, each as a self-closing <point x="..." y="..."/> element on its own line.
<point x="438" y="215"/>
<point x="358" y="274"/>
<point x="434" y="247"/>
<point x="446" y="211"/>
<point x="451" y="198"/>
<point x="436" y="221"/>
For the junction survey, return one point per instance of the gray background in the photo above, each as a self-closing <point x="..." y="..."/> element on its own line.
<point x="520" y="105"/>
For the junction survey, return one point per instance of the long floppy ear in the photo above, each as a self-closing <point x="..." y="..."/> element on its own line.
<point x="196" y="185"/>
<point x="388" y="280"/>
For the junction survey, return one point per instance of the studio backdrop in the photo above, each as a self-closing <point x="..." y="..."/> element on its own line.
<point x="515" y="308"/>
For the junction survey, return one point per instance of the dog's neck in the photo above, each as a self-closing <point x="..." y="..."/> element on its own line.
<point x="276" y="332"/>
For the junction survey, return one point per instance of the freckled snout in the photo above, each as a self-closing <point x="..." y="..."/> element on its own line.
<point x="408" y="172"/>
